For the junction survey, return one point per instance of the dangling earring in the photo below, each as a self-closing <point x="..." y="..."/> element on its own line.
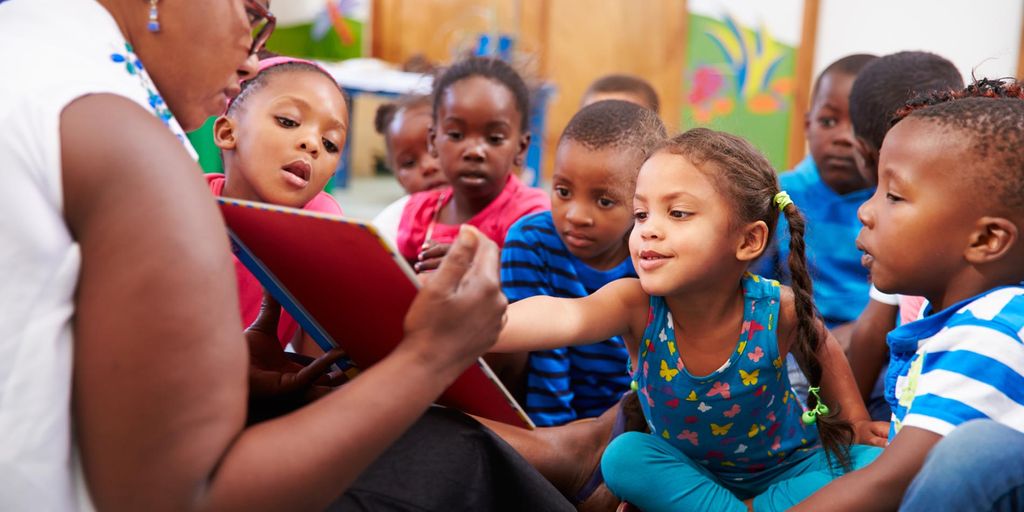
<point x="154" y="23"/>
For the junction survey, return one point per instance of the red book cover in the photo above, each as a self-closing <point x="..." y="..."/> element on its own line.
<point x="347" y="287"/>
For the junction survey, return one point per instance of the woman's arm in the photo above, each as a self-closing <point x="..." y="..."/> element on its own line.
<point x="881" y="484"/>
<point x="160" y="363"/>
<point x="542" y="323"/>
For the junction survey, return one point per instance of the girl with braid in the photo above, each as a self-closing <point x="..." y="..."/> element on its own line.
<point x="708" y="341"/>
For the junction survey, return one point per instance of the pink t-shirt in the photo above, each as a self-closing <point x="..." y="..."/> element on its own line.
<point x="250" y="291"/>
<point x="515" y="201"/>
<point x="910" y="308"/>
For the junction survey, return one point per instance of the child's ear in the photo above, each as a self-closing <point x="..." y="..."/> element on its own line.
<point x="991" y="239"/>
<point x="224" y="133"/>
<point x="807" y="122"/>
<point x="431" y="146"/>
<point x="524" y="144"/>
<point x="866" y="156"/>
<point x="753" y="241"/>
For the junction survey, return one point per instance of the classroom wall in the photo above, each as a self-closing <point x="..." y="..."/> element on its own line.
<point x="572" y="42"/>
<point x="982" y="36"/>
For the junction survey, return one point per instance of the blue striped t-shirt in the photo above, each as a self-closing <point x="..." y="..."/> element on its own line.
<point x="962" y="363"/>
<point x="568" y="383"/>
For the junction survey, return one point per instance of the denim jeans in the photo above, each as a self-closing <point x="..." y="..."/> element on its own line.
<point x="978" y="466"/>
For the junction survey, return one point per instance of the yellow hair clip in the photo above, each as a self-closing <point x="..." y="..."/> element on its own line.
<point x="782" y="200"/>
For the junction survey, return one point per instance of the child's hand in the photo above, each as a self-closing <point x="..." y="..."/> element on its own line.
<point x="874" y="433"/>
<point x="430" y="257"/>
<point x="272" y="373"/>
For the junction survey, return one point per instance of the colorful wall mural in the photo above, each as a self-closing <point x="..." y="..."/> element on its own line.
<point x="321" y="29"/>
<point x="739" y="78"/>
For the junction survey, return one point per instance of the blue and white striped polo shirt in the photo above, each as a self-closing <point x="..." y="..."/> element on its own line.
<point x="962" y="363"/>
<point x="567" y="383"/>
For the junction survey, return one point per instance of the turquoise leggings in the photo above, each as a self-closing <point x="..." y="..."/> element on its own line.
<point x="648" y="472"/>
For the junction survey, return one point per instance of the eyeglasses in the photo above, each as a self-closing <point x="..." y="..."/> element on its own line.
<point x="259" y="16"/>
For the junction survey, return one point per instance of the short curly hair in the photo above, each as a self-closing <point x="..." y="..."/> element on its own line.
<point x="988" y="117"/>
<point x="628" y="84"/>
<point x="885" y="84"/>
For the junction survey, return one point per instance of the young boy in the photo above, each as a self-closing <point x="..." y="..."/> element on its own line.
<point x="880" y="90"/>
<point x="622" y="87"/>
<point x="828" y="189"/>
<point x="945" y="224"/>
<point x="578" y="247"/>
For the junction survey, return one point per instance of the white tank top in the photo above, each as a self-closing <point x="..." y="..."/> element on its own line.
<point x="51" y="52"/>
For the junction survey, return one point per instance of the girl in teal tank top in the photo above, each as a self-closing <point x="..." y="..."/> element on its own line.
<point x="743" y="417"/>
<point x="708" y="341"/>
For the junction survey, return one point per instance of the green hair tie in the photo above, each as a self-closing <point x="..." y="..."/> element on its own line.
<point x="782" y="200"/>
<point x="810" y="417"/>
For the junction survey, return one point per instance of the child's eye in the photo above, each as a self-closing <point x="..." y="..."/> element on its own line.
<point x="562" y="192"/>
<point x="828" y="122"/>
<point x="892" y="198"/>
<point x="679" y="214"/>
<point x="496" y="139"/>
<point x="285" y="122"/>
<point x="604" y="202"/>
<point x="640" y="216"/>
<point x="405" y="164"/>
<point x="330" y="146"/>
<point x="453" y="135"/>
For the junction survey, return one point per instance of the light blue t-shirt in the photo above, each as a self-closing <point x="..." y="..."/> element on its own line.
<point x="840" y="281"/>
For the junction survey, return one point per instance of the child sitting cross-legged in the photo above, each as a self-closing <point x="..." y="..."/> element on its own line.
<point x="579" y="246"/>
<point x="707" y="342"/>
<point x="945" y="223"/>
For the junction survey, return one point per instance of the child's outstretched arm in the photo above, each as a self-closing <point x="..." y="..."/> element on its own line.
<point x="838" y="387"/>
<point x="880" y="485"/>
<point x="540" y="323"/>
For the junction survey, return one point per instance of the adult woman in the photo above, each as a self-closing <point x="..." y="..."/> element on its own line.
<point x="112" y="245"/>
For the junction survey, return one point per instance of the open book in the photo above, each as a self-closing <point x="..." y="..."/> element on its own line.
<point x="348" y="287"/>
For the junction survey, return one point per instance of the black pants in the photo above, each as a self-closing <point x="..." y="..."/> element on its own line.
<point x="448" y="462"/>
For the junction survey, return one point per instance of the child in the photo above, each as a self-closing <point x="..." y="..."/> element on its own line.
<point x="405" y="125"/>
<point x="829" y="188"/>
<point x="478" y="135"/>
<point x="281" y="140"/>
<point x="724" y="424"/>
<point x="945" y="223"/>
<point x="578" y="247"/>
<point x="622" y="87"/>
<point x="881" y="88"/>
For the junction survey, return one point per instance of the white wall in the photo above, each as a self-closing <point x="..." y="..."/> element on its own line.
<point x="975" y="35"/>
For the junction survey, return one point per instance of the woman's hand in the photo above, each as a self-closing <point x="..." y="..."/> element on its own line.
<point x="458" y="312"/>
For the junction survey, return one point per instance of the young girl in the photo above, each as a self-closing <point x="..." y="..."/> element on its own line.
<point x="708" y="341"/>
<point x="281" y="140"/>
<point x="405" y="125"/>
<point x="479" y="135"/>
